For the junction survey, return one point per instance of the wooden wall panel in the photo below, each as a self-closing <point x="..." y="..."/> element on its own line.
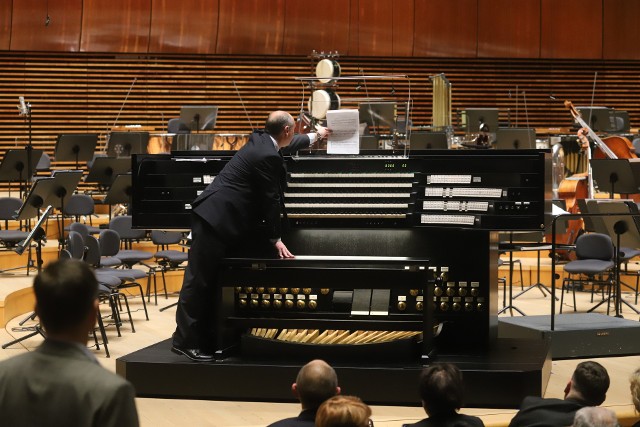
<point x="508" y="29"/>
<point x="185" y="26"/>
<point x="621" y="31"/>
<point x="30" y="31"/>
<point x="305" y="32"/>
<point x="354" y="27"/>
<point x="571" y="29"/>
<point x="6" y="7"/>
<point x="446" y="28"/>
<point x="251" y="26"/>
<point x="385" y="27"/>
<point x="116" y="26"/>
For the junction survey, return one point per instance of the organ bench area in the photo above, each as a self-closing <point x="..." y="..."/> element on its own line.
<point x="396" y="267"/>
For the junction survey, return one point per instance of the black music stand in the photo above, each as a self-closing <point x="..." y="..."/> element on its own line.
<point x="124" y="144"/>
<point x="104" y="170"/>
<point x="64" y="185"/>
<point x="120" y="192"/>
<point x="15" y="166"/>
<point x="620" y="176"/>
<point x="37" y="233"/>
<point x="75" y="147"/>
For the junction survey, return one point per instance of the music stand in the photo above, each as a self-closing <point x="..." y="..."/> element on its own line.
<point x="120" y="192"/>
<point x="199" y="117"/>
<point x="124" y="144"/>
<point x="428" y="141"/>
<point x="38" y="193"/>
<point x="14" y="166"/>
<point x="75" y="147"/>
<point x="37" y="233"/>
<point x="622" y="176"/>
<point x="104" y="170"/>
<point x="64" y="185"/>
<point x="515" y="138"/>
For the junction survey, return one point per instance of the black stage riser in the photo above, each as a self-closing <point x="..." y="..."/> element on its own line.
<point x="580" y="335"/>
<point x="513" y="369"/>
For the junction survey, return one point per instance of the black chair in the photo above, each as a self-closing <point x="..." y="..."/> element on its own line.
<point x="594" y="265"/>
<point x="81" y="205"/>
<point x="9" y="238"/>
<point x="109" y="245"/>
<point x="167" y="259"/>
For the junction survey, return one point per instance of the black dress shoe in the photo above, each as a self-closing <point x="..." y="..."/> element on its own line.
<point x="194" y="354"/>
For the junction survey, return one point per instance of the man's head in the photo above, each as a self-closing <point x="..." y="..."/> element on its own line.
<point x="634" y="383"/>
<point x="591" y="416"/>
<point x="280" y="126"/>
<point x="66" y="292"/>
<point x="315" y="383"/>
<point x="441" y="389"/>
<point x="589" y="383"/>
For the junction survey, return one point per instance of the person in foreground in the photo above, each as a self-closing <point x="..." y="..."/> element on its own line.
<point x="634" y="385"/>
<point x="594" y="416"/>
<point x="315" y="383"/>
<point x="441" y="391"/>
<point x="245" y="201"/>
<point x="61" y="383"/>
<point x="587" y="387"/>
<point x="344" y="411"/>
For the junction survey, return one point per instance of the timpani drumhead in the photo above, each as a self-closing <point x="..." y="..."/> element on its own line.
<point x="326" y="69"/>
<point x="322" y="101"/>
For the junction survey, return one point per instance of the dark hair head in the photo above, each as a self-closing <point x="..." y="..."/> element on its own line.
<point x="316" y="382"/>
<point x="65" y="292"/>
<point x="441" y="388"/>
<point x="277" y="121"/>
<point x="343" y="411"/>
<point x="591" y="381"/>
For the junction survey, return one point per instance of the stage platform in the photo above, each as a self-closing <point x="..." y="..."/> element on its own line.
<point x="514" y="368"/>
<point x="578" y="335"/>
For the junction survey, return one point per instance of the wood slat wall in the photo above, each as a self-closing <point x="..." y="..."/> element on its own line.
<point x="79" y="92"/>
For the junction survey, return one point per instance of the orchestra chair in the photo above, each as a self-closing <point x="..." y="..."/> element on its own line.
<point x="78" y="248"/>
<point x="168" y="259"/>
<point x="104" y="294"/>
<point x="595" y="263"/>
<point x="9" y="238"/>
<point x="176" y="125"/>
<point x="109" y="246"/>
<point x="81" y="205"/>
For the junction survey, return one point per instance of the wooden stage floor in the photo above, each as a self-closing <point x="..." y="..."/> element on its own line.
<point x="174" y="412"/>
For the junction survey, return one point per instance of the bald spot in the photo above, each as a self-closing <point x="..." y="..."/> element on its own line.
<point x="316" y="382"/>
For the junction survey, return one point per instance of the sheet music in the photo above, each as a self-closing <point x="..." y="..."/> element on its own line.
<point x="345" y="136"/>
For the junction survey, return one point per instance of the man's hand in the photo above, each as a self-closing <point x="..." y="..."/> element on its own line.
<point x="283" y="252"/>
<point x="322" y="132"/>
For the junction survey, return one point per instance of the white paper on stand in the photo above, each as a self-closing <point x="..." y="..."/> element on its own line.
<point x="345" y="136"/>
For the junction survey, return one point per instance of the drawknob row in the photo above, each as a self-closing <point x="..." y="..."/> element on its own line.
<point x="294" y="291"/>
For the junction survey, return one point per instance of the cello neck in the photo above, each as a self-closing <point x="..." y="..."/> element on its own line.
<point x="596" y="139"/>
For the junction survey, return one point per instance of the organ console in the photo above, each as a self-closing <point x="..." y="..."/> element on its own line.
<point x="384" y="242"/>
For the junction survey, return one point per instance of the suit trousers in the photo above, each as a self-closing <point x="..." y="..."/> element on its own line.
<point x="195" y="316"/>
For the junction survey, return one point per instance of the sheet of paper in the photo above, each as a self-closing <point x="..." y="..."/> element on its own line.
<point x="345" y="136"/>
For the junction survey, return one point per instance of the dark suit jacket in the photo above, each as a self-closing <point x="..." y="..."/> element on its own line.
<point x="456" y="420"/>
<point x="59" y="385"/>
<point x="306" y="418"/>
<point x="245" y="196"/>
<point x="536" y="411"/>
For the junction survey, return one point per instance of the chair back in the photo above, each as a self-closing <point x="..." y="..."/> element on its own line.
<point x="79" y="204"/>
<point x="9" y="206"/>
<point x="109" y="242"/>
<point x="163" y="238"/>
<point x="75" y="245"/>
<point x="177" y="126"/>
<point x="80" y="228"/>
<point x="122" y="224"/>
<point x="64" y="254"/>
<point x="93" y="254"/>
<point x="594" y="246"/>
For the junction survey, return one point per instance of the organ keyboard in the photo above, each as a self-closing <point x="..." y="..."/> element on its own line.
<point x="440" y="207"/>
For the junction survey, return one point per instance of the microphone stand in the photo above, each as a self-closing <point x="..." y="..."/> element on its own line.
<point x="25" y="110"/>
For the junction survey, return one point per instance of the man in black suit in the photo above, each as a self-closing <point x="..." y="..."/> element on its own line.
<point x="315" y="383"/>
<point x="244" y="200"/>
<point x="587" y="387"/>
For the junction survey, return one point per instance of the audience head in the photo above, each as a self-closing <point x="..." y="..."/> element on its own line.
<point x="280" y="126"/>
<point x="66" y="292"/>
<point x="315" y="383"/>
<point x="441" y="389"/>
<point x="594" y="416"/>
<point x="343" y="411"/>
<point x="635" y="388"/>
<point x="590" y="382"/>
